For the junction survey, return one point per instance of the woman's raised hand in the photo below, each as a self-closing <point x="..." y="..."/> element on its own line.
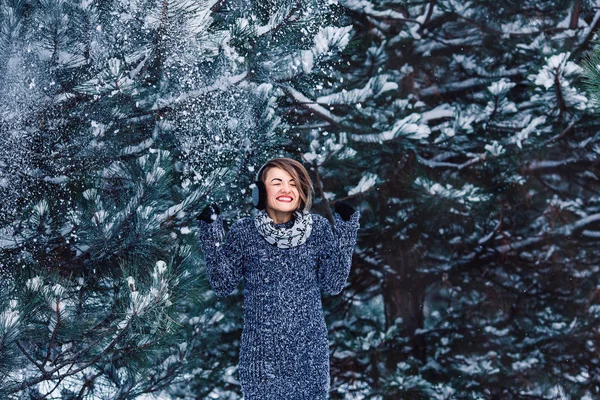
<point x="344" y="209"/>
<point x="209" y="214"/>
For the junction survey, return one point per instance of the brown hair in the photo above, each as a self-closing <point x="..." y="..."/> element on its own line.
<point x="298" y="173"/>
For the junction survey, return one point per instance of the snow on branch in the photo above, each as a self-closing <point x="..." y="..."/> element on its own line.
<point x="8" y="242"/>
<point x="453" y="87"/>
<point x="532" y="126"/>
<point x="367" y="8"/>
<point x="564" y="231"/>
<point x="207" y="184"/>
<point x="471" y="83"/>
<point x="282" y="15"/>
<point x="505" y="248"/>
<point x="366" y="182"/>
<point x="591" y="234"/>
<point x="569" y="229"/>
<point x="374" y="87"/>
<point x="311" y="105"/>
<point x="221" y="84"/>
<point x="550" y="166"/>
<point x="555" y="87"/>
<point x="589" y="34"/>
<point x="468" y="193"/>
<point x="409" y="127"/>
<point x="442" y="164"/>
<point x="327" y="42"/>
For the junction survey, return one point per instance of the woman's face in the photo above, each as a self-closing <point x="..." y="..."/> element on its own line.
<point x="282" y="193"/>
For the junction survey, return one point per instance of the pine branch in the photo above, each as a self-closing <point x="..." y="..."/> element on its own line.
<point x="562" y="105"/>
<point x="216" y="7"/>
<point x="562" y="134"/>
<point x="425" y="23"/>
<point x="320" y="111"/>
<point x="367" y="9"/>
<point x="588" y="37"/>
<point x="191" y="201"/>
<point x="312" y="105"/>
<point x="31" y="359"/>
<point x="162" y="36"/>
<point x="58" y="382"/>
<point x="272" y="29"/>
<point x="551" y="187"/>
<point x="518" y="245"/>
<point x="223" y="83"/>
<point x="547" y="167"/>
<point x="47" y="374"/>
<point x="470" y="84"/>
<point x="591" y="234"/>
<point x="355" y="195"/>
<point x="570" y="229"/>
<point x="88" y="382"/>
<point x="492" y="31"/>
<point x="54" y="333"/>
<point x="438" y="164"/>
<point x="485" y="255"/>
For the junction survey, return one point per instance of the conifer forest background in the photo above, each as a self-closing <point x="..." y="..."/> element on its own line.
<point x="466" y="132"/>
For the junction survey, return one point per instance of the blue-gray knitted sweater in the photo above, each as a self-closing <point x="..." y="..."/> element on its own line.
<point x="284" y="350"/>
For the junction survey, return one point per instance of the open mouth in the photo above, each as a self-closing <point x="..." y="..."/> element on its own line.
<point x="285" y="199"/>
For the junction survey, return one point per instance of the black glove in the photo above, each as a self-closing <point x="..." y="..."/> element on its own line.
<point x="209" y="214"/>
<point x="344" y="210"/>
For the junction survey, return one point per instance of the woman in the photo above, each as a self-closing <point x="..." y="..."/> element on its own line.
<point x="286" y="255"/>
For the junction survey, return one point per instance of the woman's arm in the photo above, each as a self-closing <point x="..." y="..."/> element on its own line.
<point x="335" y="260"/>
<point x="223" y="255"/>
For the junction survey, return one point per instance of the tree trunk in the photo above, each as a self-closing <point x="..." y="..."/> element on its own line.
<point x="403" y="295"/>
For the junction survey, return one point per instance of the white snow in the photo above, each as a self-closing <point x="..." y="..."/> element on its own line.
<point x="367" y="181"/>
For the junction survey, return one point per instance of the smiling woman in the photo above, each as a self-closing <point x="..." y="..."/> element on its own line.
<point x="282" y="195"/>
<point x="286" y="256"/>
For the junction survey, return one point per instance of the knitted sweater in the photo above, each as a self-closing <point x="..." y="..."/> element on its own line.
<point x="284" y="350"/>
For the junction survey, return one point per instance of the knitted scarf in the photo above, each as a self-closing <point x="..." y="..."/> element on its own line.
<point x="284" y="238"/>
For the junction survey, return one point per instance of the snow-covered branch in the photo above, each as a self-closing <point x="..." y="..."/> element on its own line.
<point x="222" y="84"/>
<point x="441" y="164"/>
<point x="468" y="84"/>
<point x="565" y="231"/>
<point x="551" y="166"/>
<point x="366" y="7"/>
<point x="589" y="34"/>
<point x="312" y="105"/>
<point x="570" y="229"/>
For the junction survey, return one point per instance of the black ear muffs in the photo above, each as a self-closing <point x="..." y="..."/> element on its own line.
<point x="259" y="191"/>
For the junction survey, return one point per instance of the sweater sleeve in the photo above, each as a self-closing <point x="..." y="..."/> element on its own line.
<point x="335" y="258"/>
<point x="223" y="255"/>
